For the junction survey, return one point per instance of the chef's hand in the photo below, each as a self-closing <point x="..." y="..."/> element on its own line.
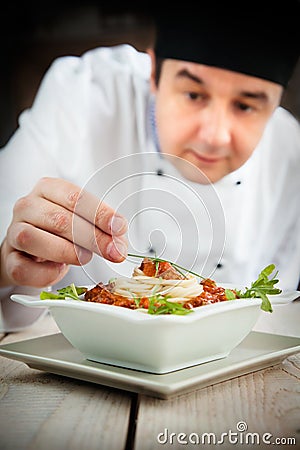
<point x="41" y="241"/>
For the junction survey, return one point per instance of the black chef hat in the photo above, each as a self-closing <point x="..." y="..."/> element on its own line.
<point x="257" y="38"/>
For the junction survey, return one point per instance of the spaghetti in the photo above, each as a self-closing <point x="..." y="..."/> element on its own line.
<point x="140" y="285"/>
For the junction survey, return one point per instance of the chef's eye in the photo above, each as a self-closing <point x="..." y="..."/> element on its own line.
<point x="244" y="107"/>
<point x="194" y="96"/>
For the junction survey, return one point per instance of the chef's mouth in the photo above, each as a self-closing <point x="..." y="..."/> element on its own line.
<point x="205" y="158"/>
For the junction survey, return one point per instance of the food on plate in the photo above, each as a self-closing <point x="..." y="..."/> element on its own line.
<point x="158" y="286"/>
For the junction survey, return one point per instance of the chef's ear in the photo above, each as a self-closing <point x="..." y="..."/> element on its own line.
<point x="153" y="75"/>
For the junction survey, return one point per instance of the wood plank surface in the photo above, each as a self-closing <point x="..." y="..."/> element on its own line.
<point x="267" y="401"/>
<point x="40" y="411"/>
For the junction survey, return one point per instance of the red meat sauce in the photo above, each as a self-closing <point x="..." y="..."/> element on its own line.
<point x="103" y="293"/>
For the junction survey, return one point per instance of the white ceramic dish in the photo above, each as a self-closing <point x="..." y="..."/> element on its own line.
<point x="157" y="344"/>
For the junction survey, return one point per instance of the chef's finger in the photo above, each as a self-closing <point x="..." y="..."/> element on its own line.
<point x="23" y="270"/>
<point x="36" y="242"/>
<point x="56" y="220"/>
<point x="83" y="203"/>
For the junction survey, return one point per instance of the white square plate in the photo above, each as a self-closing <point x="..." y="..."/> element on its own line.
<point x="56" y="355"/>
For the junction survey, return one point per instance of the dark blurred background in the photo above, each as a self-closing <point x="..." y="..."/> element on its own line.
<point x="32" y="36"/>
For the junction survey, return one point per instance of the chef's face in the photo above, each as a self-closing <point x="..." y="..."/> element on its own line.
<point x="210" y="117"/>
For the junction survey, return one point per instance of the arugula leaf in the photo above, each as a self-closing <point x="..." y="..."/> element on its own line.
<point x="263" y="286"/>
<point x="137" y="301"/>
<point x="230" y="294"/>
<point x="70" y="291"/>
<point x="160" y="305"/>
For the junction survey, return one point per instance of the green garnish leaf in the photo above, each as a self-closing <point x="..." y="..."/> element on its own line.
<point x="263" y="286"/>
<point x="44" y="295"/>
<point x="230" y="295"/>
<point x="160" y="305"/>
<point x="70" y="291"/>
<point x="137" y="301"/>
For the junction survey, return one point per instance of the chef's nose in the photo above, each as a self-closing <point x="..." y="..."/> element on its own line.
<point x="215" y="127"/>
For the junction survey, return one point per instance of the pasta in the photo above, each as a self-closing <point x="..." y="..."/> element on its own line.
<point x="140" y="285"/>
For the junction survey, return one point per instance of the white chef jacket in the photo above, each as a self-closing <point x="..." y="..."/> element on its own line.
<point x="92" y="123"/>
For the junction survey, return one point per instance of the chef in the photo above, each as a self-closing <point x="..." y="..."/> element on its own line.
<point x="181" y="152"/>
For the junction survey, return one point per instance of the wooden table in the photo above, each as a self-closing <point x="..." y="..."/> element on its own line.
<point x="41" y="411"/>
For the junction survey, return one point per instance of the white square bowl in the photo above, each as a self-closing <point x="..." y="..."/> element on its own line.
<point x="152" y="343"/>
